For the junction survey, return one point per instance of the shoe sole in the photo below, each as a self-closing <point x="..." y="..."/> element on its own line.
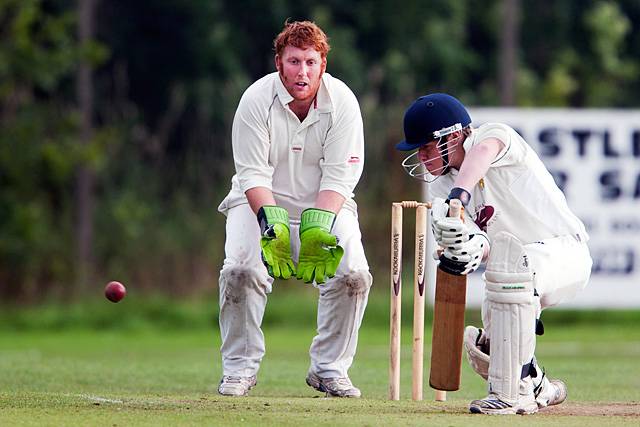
<point x="246" y="393"/>
<point x="233" y="395"/>
<point x="506" y="411"/>
<point x="518" y="412"/>
<point x="321" y="388"/>
<point x="318" y="387"/>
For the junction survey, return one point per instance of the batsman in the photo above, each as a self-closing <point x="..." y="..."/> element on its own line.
<point x="518" y="223"/>
<point x="298" y="148"/>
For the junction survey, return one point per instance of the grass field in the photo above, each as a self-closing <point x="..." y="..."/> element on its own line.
<point x="167" y="375"/>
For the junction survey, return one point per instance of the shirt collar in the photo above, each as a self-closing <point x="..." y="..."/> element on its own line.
<point x="322" y="103"/>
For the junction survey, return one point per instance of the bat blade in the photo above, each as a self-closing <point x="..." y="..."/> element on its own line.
<point x="448" y="323"/>
<point x="448" y="330"/>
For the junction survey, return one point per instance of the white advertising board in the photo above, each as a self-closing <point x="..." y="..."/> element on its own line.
<point x="594" y="156"/>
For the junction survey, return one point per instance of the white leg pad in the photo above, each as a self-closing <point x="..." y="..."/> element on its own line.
<point x="510" y="300"/>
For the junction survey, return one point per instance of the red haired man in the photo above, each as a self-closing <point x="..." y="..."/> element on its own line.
<point x="298" y="149"/>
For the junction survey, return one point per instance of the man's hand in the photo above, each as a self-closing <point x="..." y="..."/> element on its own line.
<point x="447" y="230"/>
<point x="319" y="250"/>
<point x="275" y="243"/>
<point x="464" y="257"/>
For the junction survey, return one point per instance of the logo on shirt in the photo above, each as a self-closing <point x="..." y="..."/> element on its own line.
<point x="353" y="159"/>
<point x="483" y="216"/>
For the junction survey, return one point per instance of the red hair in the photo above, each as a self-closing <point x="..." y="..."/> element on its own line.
<point x="302" y="34"/>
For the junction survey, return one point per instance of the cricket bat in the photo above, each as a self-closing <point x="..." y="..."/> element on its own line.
<point x="448" y="324"/>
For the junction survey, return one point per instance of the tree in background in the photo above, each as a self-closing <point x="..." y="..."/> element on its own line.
<point x="85" y="175"/>
<point x="167" y="76"/>
<point x="38" y="150"/>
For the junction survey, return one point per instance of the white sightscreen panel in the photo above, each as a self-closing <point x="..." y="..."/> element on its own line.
<point x="594" y="156"/>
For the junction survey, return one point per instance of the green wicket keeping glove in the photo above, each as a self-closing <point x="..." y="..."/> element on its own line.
<point x="275" y="243"/>
<point x="319" y="250"/>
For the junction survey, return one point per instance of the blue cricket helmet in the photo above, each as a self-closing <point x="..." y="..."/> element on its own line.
<point x="431" y="117"/>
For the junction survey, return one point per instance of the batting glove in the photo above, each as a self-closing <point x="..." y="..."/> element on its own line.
<point x="275" y="241"/>
<point x="464" y="257"/>
<point x="446" y="230"/>
<point x="319" y="250"/>
<point x="439" y="211"/>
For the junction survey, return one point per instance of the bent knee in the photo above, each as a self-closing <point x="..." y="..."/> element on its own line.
<point x="237" y="281"/>
<point x="356" y="282"/>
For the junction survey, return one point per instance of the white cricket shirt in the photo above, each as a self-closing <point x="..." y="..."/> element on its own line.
<point x="272" y="149"/>
<point x="517" y="194"/>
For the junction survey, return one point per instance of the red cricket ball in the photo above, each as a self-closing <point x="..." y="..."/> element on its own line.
<point x="115" y="291"/>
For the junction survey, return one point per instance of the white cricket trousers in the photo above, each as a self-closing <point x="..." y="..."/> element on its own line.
<point x="561" y="267"/>
<point x="244" y="284"/>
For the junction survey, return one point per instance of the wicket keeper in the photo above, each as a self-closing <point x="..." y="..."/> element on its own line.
<point x="534" y="247"/>
<point x="298" y="148"/>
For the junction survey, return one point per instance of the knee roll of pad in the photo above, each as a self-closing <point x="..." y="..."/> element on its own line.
<point x="510" y="299"/>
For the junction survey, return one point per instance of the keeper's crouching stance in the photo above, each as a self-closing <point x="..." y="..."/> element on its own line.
<point x="518" y="222"/>
<point x="245" y="284"/>
<point x="298" y="149"/>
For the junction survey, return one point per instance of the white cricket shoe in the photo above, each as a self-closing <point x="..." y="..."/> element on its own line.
<point x="336" y="387"/>
<point x="551" y="392"/>
<point x="492" y="405"/>
<point x="231" y="385"/>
